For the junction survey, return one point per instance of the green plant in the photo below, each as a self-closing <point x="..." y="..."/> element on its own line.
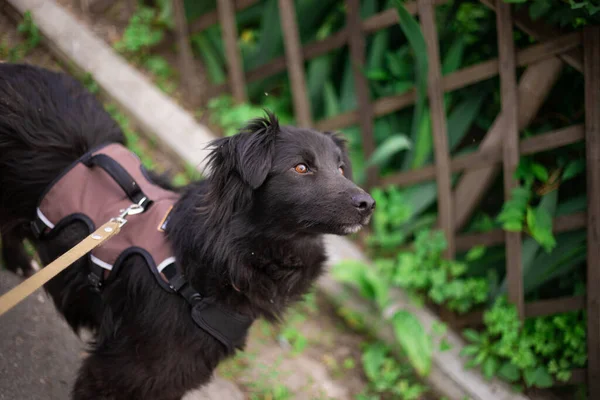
<point x="31" y="39"/>
<point x="90" y="83"/>
<point x="424" y="270"/>
<point x="388" y="377"/>
<point x="162" y="72"/>
<point x="372" y="284"/>
<point x="146" y="30"/>
<point x="567" y="12"/>
<point x="534" y="353"/>
<point x="142" y="33"/>
<point x="232" y="117"/>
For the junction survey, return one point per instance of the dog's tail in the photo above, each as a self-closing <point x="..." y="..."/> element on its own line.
<point x="47" y="121"/>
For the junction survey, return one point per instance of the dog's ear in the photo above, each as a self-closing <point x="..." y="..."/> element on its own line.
<point x="342" y="143"/>
<point x="248" y="153"/>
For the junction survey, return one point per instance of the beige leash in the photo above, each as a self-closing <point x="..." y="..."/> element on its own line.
<point x="101" y="235"/>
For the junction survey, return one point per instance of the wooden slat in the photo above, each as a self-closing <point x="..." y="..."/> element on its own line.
<point x="235" y="70"/>
<point x="578" y="376"/>
<point x="389" y="17"/>
<point x="210" y="18"/>
<point x="535" y="84"/>
<point x="191" y="84"/>
<point x="532" y="309"/>
<point x="510" y="147"/>
<point x="309" y="51"/>
<point x="564" y="223"/>
<point x="439" y="126"/>
<point x="591" y="45"/>
<point x="541" y="31"/>
<point x="554" y="306"/>
<point x="295" y="63"/>
<point x="485" y="158"/>
<point x="361" y="86"/>
<point x="552" y="140"/>
<point x="459" y="79"/>
<point x="320" y="47"/>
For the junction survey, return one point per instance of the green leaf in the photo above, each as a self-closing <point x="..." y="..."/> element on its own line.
<point x="475" y="253"/>
<point x="369" y="283"/>
<point x="389" y="148"/>
<point x="332" y="105"/>
<point x="539" y="8"/>
<point x="472" y="335"/>
<point x="540" y="172"/>
<point x="509" y="371"/>
<point x="423" y="142"/>
<point x="538" y="377"/>
<point x="414" y="341"/>
<point x="461" y="118"/>
<point x="573" y="169"/>
<point x="453" y="59"/>
<point x="469" y="350"/>
<point x="566" y="257"/>
<point x="214" y="66"/>
<point x="514" y="209"/>
<point x="411" y="29"/>
<point x="317" y="77"/>
<point x="445" y="345"/>
<point x="539" y="220"/>
<point x="377" y="74"/>
<point x="372" y="359"/>
<point x="490" y="367"/>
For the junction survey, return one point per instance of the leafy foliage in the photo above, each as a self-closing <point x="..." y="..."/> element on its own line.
<point x="142" y="32"/>
<point x="231" y="117"/>
<point x="32" y="38"/>
<point x="424" y="270"/>
<point x="536" y="352"/>
<point x="145" y="31"/>
<point x="386" y="376"/>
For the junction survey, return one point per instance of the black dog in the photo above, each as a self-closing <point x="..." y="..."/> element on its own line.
<point x="249" y="237"/>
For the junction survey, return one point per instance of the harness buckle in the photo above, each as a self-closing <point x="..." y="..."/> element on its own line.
<point x="131" y="210"/>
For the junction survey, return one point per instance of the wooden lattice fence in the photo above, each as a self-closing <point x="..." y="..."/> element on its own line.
<point x="501" y="146"/>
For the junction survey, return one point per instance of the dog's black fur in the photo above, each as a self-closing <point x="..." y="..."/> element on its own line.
<point x="249" y="236"/>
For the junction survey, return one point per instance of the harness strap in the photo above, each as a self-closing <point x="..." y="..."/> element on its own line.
<point x="120" y="175"/>
<point x="227" y="327"/>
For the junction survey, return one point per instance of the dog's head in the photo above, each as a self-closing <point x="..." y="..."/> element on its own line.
<point x="290" y="179"/>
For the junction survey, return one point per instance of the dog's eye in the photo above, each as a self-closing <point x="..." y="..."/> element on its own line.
<point x="341" y="169"/>
<point x="301" y="168"/>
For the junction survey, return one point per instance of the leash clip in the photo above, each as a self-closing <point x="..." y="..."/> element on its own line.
<point x="131" y="210"/>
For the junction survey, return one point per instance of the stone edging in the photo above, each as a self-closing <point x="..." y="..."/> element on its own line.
<point x="158" y="115"/>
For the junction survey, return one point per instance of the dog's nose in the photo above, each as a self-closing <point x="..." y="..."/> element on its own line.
<point x="363" y="202"/>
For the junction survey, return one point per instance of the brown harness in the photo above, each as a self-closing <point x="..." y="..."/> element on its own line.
<point x="95" y="188"/>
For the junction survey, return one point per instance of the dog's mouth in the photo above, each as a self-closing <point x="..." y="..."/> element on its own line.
<point x="349" y="229"/>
